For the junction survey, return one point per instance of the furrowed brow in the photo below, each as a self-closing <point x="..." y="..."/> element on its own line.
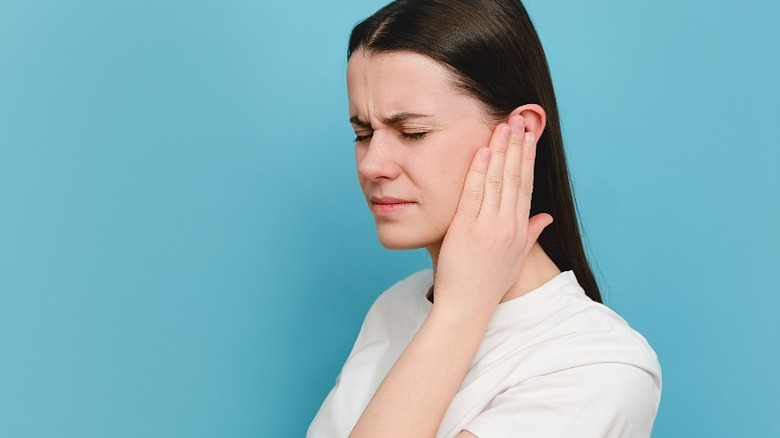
<point x="398" y="118"/>
<point x="395" y="119"/>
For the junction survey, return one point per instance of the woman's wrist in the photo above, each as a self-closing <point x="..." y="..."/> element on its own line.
<point x="460" y="320"/>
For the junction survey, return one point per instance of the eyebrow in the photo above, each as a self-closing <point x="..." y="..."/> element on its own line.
<point x="395" y="119"/>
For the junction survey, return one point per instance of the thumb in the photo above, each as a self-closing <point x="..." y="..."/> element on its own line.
<point x="536" y="225"/>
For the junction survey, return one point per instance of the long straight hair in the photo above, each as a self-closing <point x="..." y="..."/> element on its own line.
<point x="495" y="55"/>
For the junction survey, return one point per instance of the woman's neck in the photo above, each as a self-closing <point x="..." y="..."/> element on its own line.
<point x="537" y="270"/>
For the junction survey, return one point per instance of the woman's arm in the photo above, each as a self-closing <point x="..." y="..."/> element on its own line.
<point x="480" y="259"/>
<point x="418" y="389"/>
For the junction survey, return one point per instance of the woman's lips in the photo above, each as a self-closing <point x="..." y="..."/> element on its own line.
<point x="386" y="206"/>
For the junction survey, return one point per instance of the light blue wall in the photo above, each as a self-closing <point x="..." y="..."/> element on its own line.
<point x="184" y="251"/>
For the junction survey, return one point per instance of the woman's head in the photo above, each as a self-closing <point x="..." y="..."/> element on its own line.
<point x="468" y="65"/>
<point x="416" y="136"/>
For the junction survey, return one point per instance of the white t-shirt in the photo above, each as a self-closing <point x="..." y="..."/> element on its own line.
<point x="552" y="363"/>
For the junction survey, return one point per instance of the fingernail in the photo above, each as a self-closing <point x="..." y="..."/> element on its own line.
<point x="484" y="154"/>
<point x="529" y="139"/>
<point x="504" y="132"/>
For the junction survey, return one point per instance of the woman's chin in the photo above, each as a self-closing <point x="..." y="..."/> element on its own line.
<point x="399" y="245"/>
<point x="401" y="241"/>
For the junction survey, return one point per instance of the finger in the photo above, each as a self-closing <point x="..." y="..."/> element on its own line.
<point x="473" y="188"/>
<point x="513" y="167"/>
<point x="494" y="181"/>
<point x="526" y="176"/>
<point x="536" y="225"/>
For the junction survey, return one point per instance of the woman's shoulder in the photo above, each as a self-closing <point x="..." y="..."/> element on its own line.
<point x="585" y="332"/>
<point x="558" y="327"/>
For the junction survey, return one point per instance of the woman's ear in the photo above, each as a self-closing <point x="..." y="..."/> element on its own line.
<point x="535" y="118"/>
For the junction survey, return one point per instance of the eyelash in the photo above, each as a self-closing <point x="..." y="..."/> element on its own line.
<point x="406" y="135"/>
<point x="360" y="138"/>
<point x="413" y="135"/>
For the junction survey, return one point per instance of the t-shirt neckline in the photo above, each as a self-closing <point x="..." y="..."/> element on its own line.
<point x="512" y="309"/>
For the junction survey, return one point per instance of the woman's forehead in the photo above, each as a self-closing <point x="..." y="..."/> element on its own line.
<point x="392" y="82"/>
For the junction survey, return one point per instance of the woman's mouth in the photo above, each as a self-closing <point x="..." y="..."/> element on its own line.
<point x="385" y="206"/>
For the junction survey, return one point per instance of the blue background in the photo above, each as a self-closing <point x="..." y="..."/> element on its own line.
<point x="184" y="251"/>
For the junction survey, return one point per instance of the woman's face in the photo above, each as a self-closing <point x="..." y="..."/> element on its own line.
<point x="416" y="137"/>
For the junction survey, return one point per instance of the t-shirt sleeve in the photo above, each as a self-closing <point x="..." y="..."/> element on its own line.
<point x="344" y="403"/>
<point x="594" y="400"/>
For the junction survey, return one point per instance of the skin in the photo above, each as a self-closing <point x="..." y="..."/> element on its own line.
<point x="469" y="182"/>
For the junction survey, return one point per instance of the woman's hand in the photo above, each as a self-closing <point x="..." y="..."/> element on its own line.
<point x="491" y="234"/>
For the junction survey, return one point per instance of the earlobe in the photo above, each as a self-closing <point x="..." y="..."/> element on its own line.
<point x="534" y="116"/>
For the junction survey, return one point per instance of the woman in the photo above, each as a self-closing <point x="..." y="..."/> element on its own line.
<point x="456" y="123"/>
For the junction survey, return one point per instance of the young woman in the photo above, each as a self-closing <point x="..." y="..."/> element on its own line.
<point x="457" y="125"/>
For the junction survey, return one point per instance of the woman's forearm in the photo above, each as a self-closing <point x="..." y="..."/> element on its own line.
<point x="416" y="392"/>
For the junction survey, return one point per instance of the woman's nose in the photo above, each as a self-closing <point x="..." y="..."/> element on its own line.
<point x="376" y="159"/>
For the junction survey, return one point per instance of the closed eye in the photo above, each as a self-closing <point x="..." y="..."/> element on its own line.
<point x="406" y="135"/>
<point x="413" y="135"/>
<point x="359" y="138"/>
